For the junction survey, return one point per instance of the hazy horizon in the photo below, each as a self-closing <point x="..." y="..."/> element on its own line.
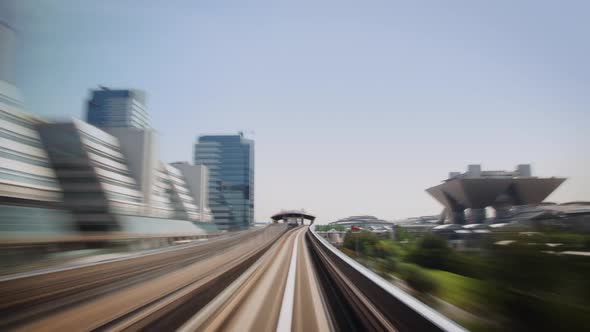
<point x="353" y="109"/>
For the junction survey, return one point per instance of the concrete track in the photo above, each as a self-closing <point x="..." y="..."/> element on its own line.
<point x="271" y="279"/>
<point x="274" y="295"/>
<point x="101" y="295"/>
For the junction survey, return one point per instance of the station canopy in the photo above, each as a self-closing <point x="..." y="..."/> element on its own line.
<point x="284" y="215"/>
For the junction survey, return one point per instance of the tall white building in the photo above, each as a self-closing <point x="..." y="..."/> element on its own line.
<point x="181" y="198"/>
<point x="25" y="171"/>
<point x="93" y="174"/>
<point x="26" y="176"/>
<point x="197" y="180"/>
<point x="30" y="195"/>
<point x="140" y="149"/>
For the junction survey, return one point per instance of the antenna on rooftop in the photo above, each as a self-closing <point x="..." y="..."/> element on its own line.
<point x="248" y="132"/>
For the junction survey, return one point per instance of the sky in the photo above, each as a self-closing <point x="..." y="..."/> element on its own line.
<point x="356" y="107"/>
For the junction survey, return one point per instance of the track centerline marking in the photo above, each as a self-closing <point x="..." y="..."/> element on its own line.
<point x="286" y="315"/>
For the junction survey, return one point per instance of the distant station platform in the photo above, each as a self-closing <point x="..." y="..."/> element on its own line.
<point x="293" y="217"/>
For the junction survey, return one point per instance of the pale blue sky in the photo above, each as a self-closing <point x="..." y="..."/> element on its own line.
<point x="356" y="106"/>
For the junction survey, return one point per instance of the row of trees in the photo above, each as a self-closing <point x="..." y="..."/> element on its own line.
<point x="325" y="228"/>
<point x="385" y="256"/>
<point x="527" y="284"/>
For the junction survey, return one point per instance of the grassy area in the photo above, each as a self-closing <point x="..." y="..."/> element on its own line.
<point x="516" y="287"/>
<point x="463" y="292"/>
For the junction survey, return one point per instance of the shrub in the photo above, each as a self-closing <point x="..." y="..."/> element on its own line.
<point x="539" y="291"/>
<point x="391" y="264"/>
<point x="386" y="248"/>
<point x="326" y="228"/>
<point x="419" y="280"/>
<point x="431" y="251"/>
<point x="467" y="264"/>
<point x="401" y="234"/>
<point x="364" y="242"/>
<point x="386" y="265"/>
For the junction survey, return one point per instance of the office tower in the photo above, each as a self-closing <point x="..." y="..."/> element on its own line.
<point x="197" y="180"/>
<point x="230" y="159"/>
<point x="93" y="174"/>
<point x="117" y="108"/>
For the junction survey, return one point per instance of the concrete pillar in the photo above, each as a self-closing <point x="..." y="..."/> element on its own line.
<point x="474" y="171"/>
<point x="477" y="216"/>
<point x="502" y="212"/>
<point x="457" y="217"/>
<point x="524" y="170"/>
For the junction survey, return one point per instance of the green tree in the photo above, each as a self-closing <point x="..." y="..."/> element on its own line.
<point x="537" y="290"/>
<point x="418" y="279"/>
<point x="431" y="251"/>
<point x="386" y="248"/>
<point x="401" y="234"/>
<point x="361" y="242"/>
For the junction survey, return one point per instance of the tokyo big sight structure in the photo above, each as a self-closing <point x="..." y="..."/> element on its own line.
<point x="475" y="190"/>
<point x="230" y="159"/>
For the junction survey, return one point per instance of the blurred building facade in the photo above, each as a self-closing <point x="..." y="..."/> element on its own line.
<point x="30" y="195"/>
<point x="364" y="222"/>
<point x="139" y="146"/>
<point x="419" y="225"/>
<point x="181" y="198"/>
<point x="72" y="176"/>
<point x="109" y="108"/>
<point x="26" y="175"/>
<point x="106" y="177"/>
<point x="197" y="179"/>
<point x="230" y="160"/>
<point x="93" y="174"/>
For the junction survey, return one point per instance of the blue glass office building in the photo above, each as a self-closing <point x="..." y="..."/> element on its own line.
<point x="230" y="159"/>
<point x="117" y="108"/>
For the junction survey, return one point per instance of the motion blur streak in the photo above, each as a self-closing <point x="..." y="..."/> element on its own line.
<point x="310" y="309"/>
<point x="256" y="302"/>
<point x="155" y="284"/>
<point x="268" y="279"/>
